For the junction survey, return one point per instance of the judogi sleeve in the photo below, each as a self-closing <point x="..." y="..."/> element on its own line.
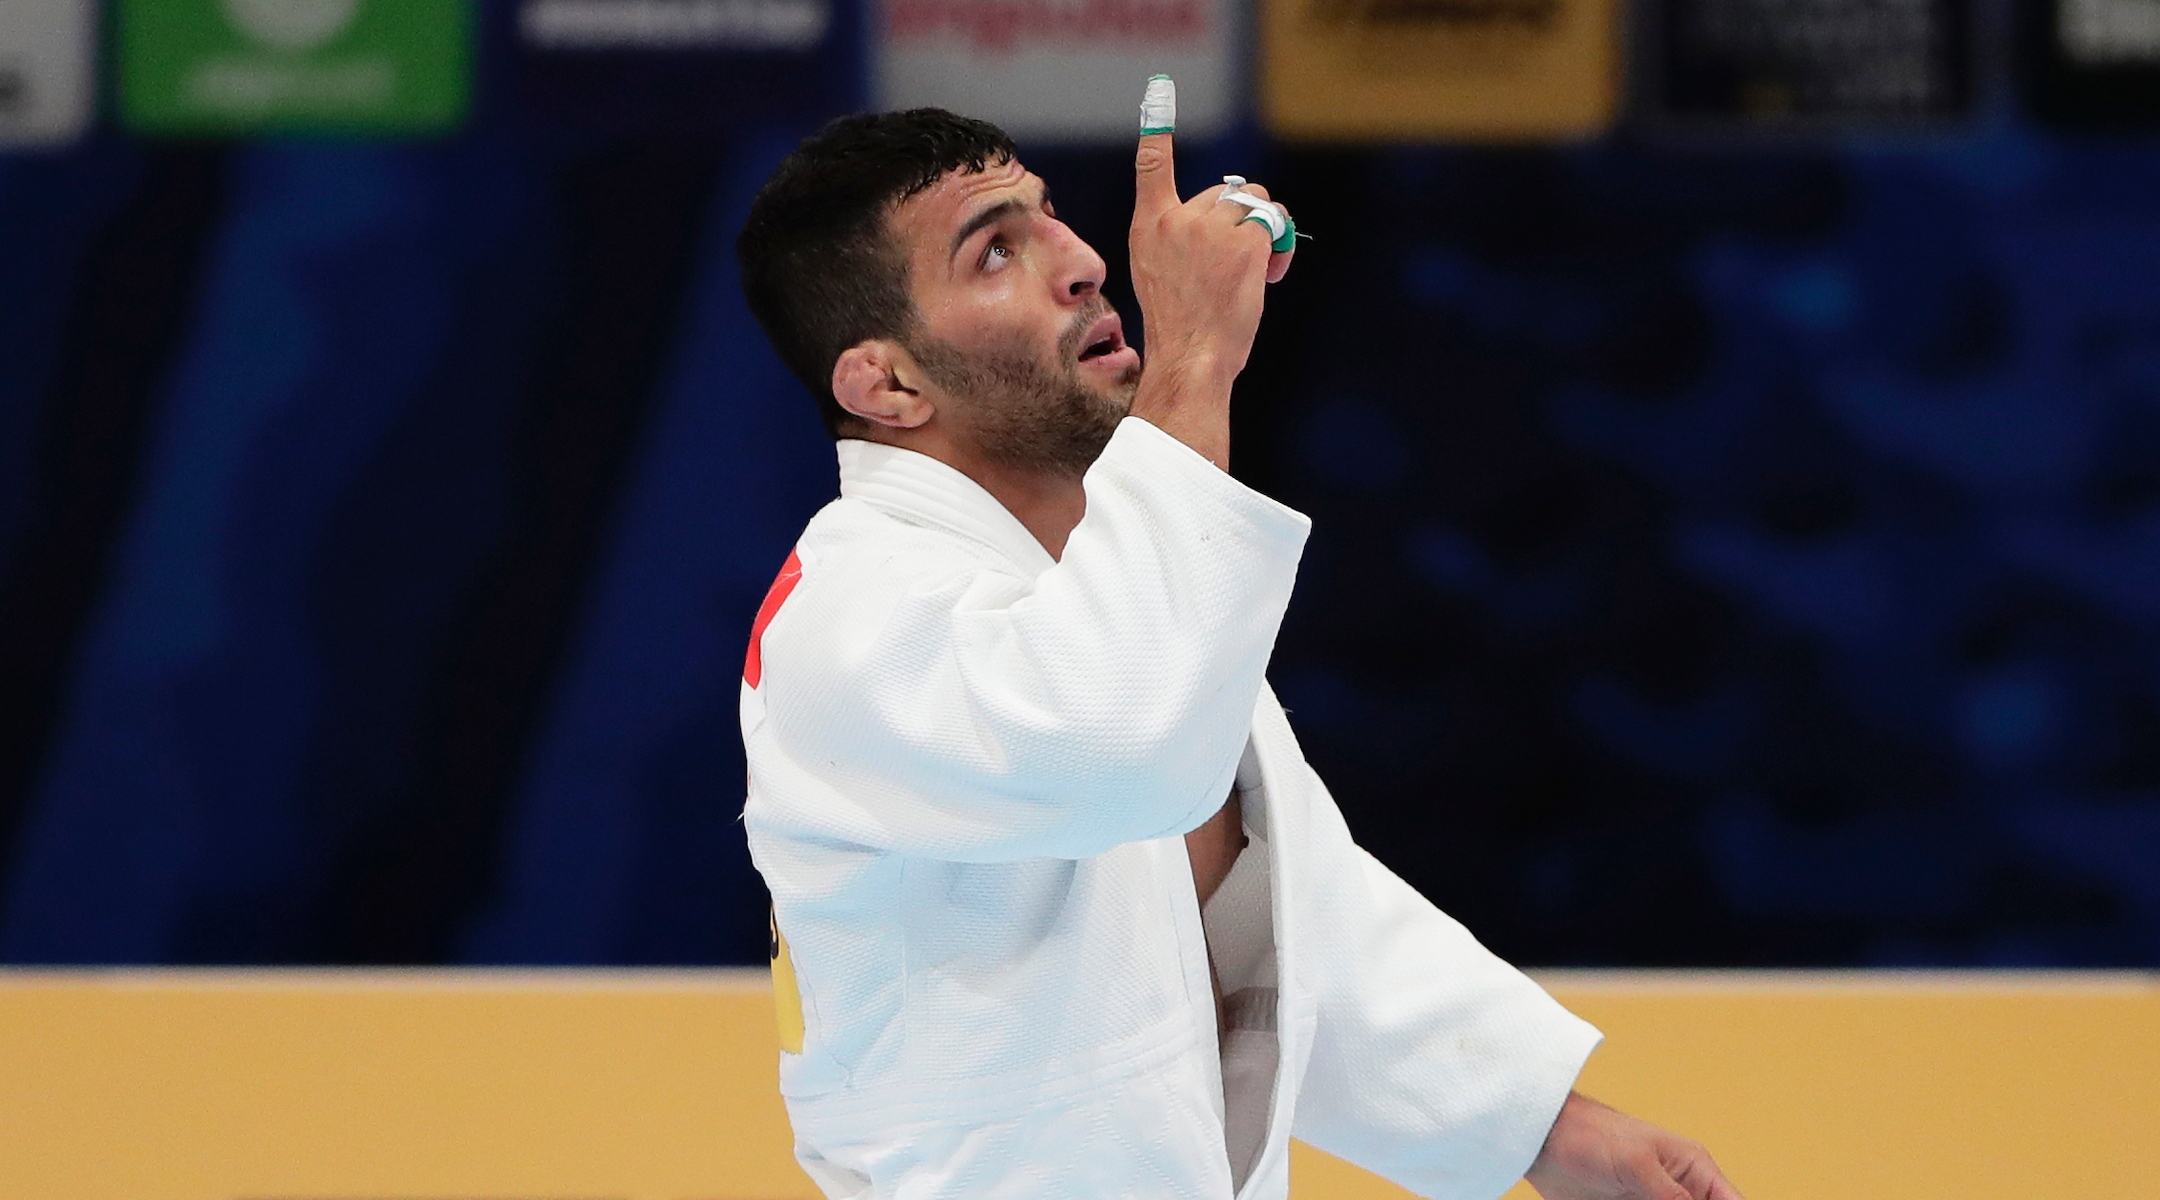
<point x="1435" y="1064"/>
<point x="929" y="698"/>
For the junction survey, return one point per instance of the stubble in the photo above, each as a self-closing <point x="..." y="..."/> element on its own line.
<point x="1024" y="412"/>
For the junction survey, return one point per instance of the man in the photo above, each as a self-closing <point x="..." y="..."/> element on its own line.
<point x="1059" y="908"/>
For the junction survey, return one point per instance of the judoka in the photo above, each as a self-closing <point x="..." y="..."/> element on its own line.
<point x="1059" y="909"/>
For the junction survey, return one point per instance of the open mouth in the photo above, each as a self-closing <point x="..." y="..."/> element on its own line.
<point x="1104" y="338"/>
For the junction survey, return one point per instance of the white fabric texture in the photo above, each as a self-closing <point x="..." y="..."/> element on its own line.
<point x="970" y="767"/>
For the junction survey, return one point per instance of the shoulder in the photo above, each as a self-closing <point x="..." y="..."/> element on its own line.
<point x="851" y="545"/>
<point x="863" y="567"/>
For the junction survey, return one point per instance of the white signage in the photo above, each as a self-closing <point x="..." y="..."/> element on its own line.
<point x="292" y="24"/>
<point x="674" y="24"/>
<point x="47" y="56"/>
<point x="1061" y="70"/>
<point x="2110" y="32"/>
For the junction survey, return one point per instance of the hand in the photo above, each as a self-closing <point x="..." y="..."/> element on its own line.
<point x="1597" y="1153"/>
<point x="1200" y="271"/>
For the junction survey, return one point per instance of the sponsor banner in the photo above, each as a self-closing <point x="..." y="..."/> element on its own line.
<point x="247" y="66"/>
<point x="1061" y="70"/>
<point x="688" y="64"/>
<point x="2093" y="65"/>
<point x="48" y="90"/>
<point x="1440" y="69"/>
<point x="1771" y="64"/>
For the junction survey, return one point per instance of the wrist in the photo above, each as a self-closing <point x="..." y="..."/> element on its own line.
<point x="1197" y="374"/>
<point x="1185" y="371"/>
<point x="1547" y="1168"/>
<point x="1188" y="398"/>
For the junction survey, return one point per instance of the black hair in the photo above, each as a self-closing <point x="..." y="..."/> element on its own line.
<point x="819" y="268"/>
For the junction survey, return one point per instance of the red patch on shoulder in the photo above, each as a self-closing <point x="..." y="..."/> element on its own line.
<point x="753" y="668"/>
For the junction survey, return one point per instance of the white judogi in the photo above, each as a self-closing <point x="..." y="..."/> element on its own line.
<point x="970" y="767"/>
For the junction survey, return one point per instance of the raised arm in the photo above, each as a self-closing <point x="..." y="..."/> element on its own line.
<point x="929" y="701"/>
<point x="1200" y="270"/>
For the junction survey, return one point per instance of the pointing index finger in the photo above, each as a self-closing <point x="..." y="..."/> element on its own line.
<point x="1155" y="167"/>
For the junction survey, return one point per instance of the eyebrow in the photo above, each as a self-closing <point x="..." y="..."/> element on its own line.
<point x="991" y="216"/>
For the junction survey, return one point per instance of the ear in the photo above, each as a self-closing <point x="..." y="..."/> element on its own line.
<point x="879" y="382"/>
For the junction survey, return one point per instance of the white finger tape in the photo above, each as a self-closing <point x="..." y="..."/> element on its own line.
<point x="1267" y="212"/>
<point x="1158" y="108"/>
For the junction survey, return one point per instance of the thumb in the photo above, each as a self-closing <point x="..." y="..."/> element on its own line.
<point x="1155" y="167"/>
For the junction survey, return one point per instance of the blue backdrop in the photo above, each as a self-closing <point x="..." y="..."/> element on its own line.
<point x="1724" y="555"/>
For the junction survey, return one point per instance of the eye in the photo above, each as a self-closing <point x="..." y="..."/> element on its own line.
<point x="995" y="253"/>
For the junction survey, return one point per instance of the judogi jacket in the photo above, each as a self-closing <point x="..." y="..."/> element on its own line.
<point x="970" y="769"/>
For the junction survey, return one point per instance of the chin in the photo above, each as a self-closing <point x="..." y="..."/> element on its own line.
<point x="1119" y="393"/>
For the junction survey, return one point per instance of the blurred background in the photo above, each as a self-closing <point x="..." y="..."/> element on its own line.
<point x="1732" y="429"/>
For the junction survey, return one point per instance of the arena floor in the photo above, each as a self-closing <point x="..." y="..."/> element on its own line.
<point x="343" y="1085"/>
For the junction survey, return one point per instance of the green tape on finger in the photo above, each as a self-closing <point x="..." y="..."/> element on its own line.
<point x="1282" y="231"/>
<point x="1282" y="242"/>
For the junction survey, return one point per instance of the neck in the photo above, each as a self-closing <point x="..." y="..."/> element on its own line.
<point x="1048" y="503"/>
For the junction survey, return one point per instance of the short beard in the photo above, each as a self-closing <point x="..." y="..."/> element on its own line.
<point x="1022" y="412"/>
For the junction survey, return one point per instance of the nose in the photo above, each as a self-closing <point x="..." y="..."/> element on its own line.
<point x="1081" y="271"/>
